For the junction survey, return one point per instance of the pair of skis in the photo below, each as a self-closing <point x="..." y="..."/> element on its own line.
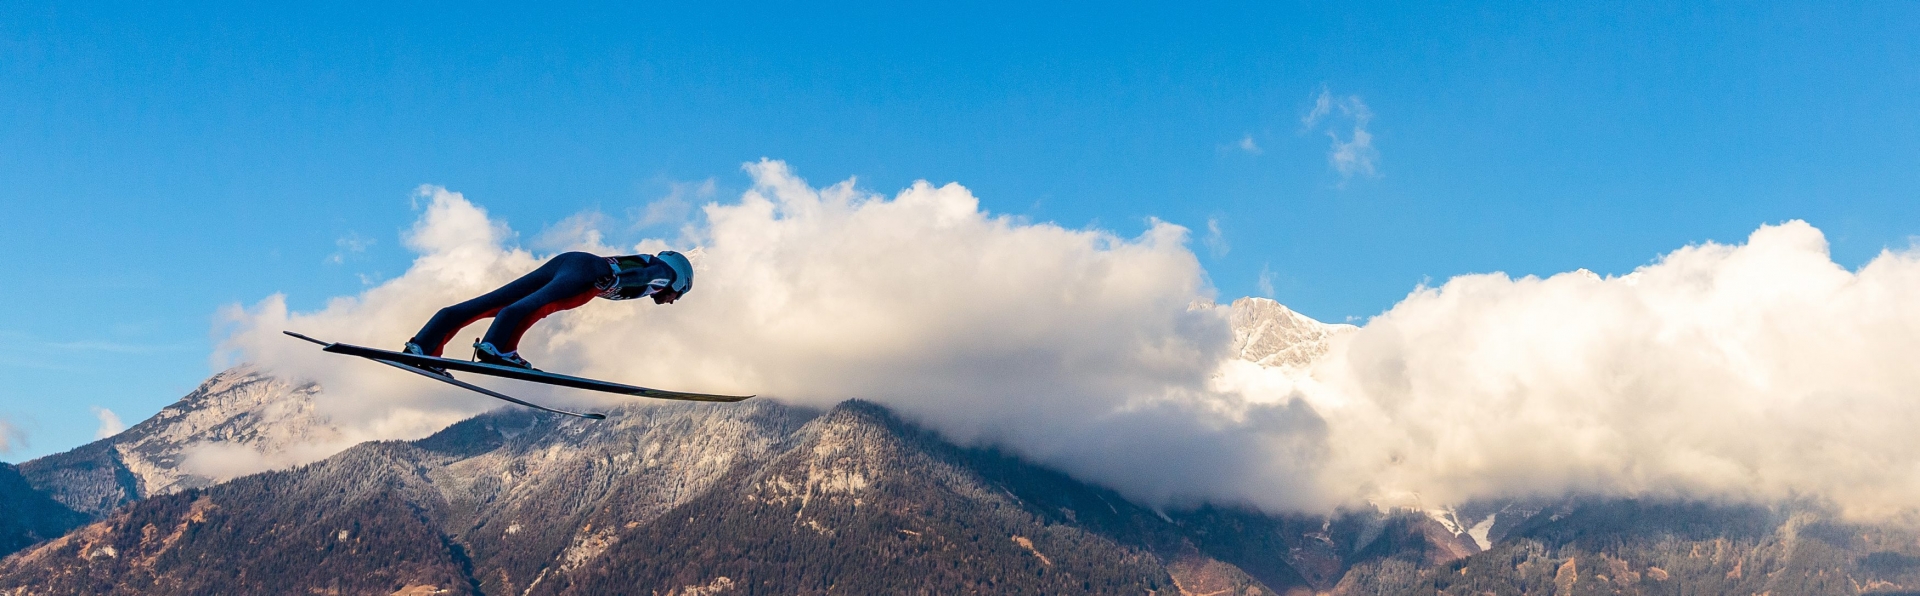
<point x="413" y="362"/>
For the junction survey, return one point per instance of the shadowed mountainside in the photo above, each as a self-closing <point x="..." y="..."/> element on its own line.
<point x="27" y="515"/>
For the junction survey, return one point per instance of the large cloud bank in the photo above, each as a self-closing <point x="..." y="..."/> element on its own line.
<point x="1759" y="371"/>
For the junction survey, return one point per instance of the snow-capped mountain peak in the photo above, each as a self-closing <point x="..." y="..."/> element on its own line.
<point x="1270" y="334"/>
<point x="240" y="421"/>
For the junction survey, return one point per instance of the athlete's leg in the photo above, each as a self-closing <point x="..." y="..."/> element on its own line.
<point x="511" y="324"/>
<point x="433" y="337"/>
<point x="571" y="286"/>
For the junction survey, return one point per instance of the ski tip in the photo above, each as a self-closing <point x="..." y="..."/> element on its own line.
<point x="592" y="416"/>
<point x="304" y="337"/>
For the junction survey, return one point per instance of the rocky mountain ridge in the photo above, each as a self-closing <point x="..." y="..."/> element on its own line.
<point x="241" y="408"/>
<point x="1268" y="333"/>
<point x="686" y="498"/>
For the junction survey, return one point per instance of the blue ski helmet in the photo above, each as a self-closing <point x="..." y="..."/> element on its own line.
<point x="682" y="270"/>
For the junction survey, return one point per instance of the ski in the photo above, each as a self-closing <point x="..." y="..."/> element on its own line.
<point x="448" y="379"/>
<point x="509" y="372"/>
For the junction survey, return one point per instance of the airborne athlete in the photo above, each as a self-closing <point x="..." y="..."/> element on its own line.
<point x="564" y="282"/>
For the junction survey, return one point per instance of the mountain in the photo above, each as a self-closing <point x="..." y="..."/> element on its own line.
<point x="760" y="497"/>
<point x="241" y="411"/>
<point x="264" y="422"/>
<point x="1652" y="547"/>
<point x="753" y="497"/>
<point x="1270" y="334"/>
<point x="686" y="498"/>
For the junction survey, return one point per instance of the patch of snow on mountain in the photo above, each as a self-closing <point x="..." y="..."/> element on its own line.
<point x="1479" y="532"/>
<point x="1459" y="524"/>
<point x="1446" y="518"/>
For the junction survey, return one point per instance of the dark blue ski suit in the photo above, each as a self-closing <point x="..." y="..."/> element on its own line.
<point x="566" y="281"/>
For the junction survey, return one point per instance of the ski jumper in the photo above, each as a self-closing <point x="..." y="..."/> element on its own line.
<point x="566" y="281"/>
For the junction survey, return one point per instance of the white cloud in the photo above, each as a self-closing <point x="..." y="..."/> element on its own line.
<point x="1265" y="282"/>
<point x="462" y="252"/>
<point x="1246" y="144"/>
<point x="348" y="246"/>
<point x="12" y="437"/>
<point x="110" y="423"/>
<point x="1322" y="106"/>
<point x="1216" y="240"/>
<point x="1761" y="371"/>
<point x="578" y="232"/>
<point x="982" y="326"/>
<point x="1756" y="371"/>
<point x="676" y="206"/>
<point x="1355" y="155"/>
<point x="222" y="461"/>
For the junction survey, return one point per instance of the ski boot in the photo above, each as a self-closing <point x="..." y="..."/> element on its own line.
<point x="415" y="349"/>
<point x="486" y="353"/>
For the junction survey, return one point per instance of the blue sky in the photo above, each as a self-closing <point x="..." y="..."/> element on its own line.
<point x="159" y="162"/>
